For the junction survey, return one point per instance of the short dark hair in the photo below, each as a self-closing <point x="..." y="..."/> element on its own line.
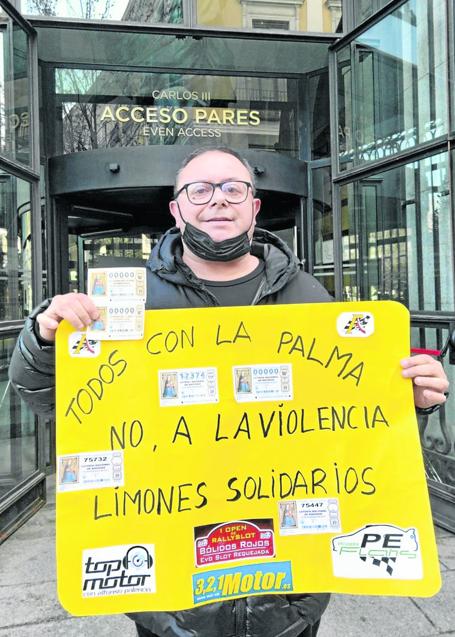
<point x="219" y="149"/>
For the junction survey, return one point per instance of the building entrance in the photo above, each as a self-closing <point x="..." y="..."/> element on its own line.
<point x="127" y="107"/>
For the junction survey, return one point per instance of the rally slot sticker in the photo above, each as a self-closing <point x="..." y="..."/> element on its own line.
<point x="118" y="321"/>
<point x="118" y="570"/>
<point x="263" y="382"/>
<point x="93" y="470"/>
<point x="311" y="515"/>
<point x="270" y="577"/>
<point x="117" y="284"/>
<point x="191" y="386"/>
<point x="233" y="541"/>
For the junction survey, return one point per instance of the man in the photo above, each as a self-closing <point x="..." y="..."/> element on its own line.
<point x="209" y="258"/>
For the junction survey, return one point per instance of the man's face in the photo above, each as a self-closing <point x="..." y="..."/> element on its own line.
<point x="218" y="218"/>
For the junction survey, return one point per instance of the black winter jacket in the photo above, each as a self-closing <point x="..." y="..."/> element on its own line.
<point x="171" y="284"/>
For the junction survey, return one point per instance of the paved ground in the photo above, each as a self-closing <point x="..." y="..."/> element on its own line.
<point x="29" y="605"/>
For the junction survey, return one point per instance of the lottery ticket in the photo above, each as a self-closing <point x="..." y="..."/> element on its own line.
<point x="118" y="321"/>
<point x="263" y="382"/>
<point x="92" y="470"/>
<point x="116" y="284"/>
<point x="312" y="515"/>
<point x="192" y="386"/>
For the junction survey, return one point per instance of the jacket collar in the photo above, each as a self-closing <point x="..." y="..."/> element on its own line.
<point x="280" y="262"/>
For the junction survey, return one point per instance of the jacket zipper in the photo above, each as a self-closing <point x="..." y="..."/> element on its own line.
<point x="202" y="290"/>
<point x="258" y="295"/>
<point x="240" y="617"/>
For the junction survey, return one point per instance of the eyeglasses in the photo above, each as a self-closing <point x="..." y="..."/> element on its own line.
<point x="201" y="192"/>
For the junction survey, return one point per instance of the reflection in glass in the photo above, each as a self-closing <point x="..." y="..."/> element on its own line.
<point x="396" y="236"/>
<point x="318" y="108"/>
<point x="452" y="67"/>
<point x="106" y="252"/>
<point x="73" y="271"/>
<point x="392" y="84"/>
<point x="18" y="456"/>
<point x="130" y="247"/>
<point x="296" y="15"/>
<point x="14" y="92"/>
<point x="149" y="12"/>
<point x="152" y="50"/>
<point x="288" y="234"/>
<point x="15" y="248"/>
<point x="363" y="9"/>
<point x="344" y="85"/>
<point x="322" y="228"/>
<point x="104" y="109"/>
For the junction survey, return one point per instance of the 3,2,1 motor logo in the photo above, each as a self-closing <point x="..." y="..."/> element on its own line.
<point x="378" y="551"/>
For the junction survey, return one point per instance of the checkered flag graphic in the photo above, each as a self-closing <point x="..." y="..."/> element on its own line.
<point x="383" y="560"/>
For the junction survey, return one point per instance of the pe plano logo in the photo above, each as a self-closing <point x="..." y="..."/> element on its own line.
<point x="378" y="551"/>
<point x="82" y="347"/>
<point x="355" y="324"/>
<point x="118" y="570"/>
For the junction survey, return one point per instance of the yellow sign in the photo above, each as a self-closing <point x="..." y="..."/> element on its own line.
<point x="240" y="451"/>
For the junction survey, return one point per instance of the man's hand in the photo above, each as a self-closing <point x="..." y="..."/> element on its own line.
<point x="76" y="308"/>
<point x="428" y="378"/>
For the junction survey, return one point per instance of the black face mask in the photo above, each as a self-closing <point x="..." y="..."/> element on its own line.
<point x="203" y="246"/>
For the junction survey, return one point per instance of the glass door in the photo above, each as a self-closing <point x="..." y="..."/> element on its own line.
<point x="101" y="238"/>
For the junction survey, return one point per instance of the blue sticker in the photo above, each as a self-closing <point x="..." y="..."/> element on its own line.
<point x="271" y="577"/>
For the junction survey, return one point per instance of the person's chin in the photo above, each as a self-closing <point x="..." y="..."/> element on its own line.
<point x="219" y="231"/>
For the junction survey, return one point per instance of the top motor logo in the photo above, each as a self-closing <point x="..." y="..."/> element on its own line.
<point x="118" y="570"/>
<point x="378" y="551"/>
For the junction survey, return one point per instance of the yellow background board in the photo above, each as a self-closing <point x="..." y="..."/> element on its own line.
<point x="259" y="492"/>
